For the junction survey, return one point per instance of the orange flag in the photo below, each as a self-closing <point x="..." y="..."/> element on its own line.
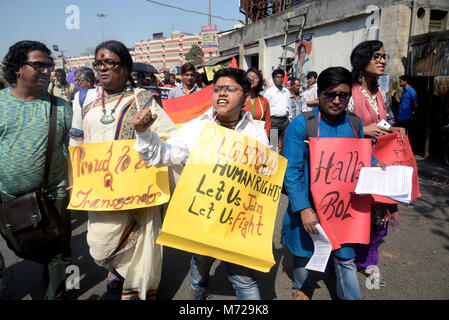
<point x="234" y="63"/>
<point x="188" y="107"/>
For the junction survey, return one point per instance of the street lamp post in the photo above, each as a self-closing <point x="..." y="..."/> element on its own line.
<point x="56" y="48"/>
<point x="101" y="16"/>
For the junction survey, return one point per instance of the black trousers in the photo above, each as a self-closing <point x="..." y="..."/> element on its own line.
<point x="280" y="123"/>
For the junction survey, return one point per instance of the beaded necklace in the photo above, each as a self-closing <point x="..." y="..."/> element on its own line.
<point x="221" y="123"/>
<point x="108" y="119"/>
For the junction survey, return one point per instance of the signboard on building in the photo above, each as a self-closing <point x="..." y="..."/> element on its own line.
<point x="209" y="38"/>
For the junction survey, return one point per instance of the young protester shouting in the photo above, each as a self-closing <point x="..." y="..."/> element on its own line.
<point x="334" y="91"/>
<point x="230" y="92"/>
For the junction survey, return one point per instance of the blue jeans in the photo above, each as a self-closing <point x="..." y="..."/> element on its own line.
<point x="243" y="279"/>
<point x="347" y="284"/>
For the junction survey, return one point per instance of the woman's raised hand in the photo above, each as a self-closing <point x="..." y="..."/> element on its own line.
<point x="143" y="120"/>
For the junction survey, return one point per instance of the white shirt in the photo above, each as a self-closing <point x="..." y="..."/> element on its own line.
<point x="177" y="149"/>
<point x="279" y="101"/>
<point x="310" y="94"/>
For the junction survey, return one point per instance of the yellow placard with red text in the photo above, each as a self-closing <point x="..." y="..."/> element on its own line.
<point x="226" y="200"/>
<point x="111" y="176"/>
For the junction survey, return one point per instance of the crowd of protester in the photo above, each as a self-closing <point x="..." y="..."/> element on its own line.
<point x="271" y="112"/>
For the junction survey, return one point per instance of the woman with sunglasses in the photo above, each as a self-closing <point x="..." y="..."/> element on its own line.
<point x="334" y="92"/>
<point x="230" y="91"/>
<point x="368" y="61"/>
<point x="106" y="115"/>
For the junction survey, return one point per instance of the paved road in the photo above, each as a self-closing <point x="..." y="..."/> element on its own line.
<point x="413" y="261"/>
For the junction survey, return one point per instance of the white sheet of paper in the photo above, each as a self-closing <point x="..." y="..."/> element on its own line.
<point x="260" y="124"/>
<point x="395" y="182"/>
<point x="322" y="250"/>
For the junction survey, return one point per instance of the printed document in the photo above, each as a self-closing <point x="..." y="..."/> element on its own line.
<point x="321" y="252"/>
<point x="395" y="182"/>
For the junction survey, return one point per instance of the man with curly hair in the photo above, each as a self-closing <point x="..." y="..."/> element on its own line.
<point x="24" y="123"/>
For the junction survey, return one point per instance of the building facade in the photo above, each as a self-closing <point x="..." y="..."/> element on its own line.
<point x="330" y="29"/>
<point x="164" y="54"/>
<point x="167" y="53"/>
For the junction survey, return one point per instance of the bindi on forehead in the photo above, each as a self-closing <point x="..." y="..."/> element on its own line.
<point x="104" y="53"/>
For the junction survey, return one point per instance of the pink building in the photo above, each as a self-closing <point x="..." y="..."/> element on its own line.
<point x="168" y="53"/>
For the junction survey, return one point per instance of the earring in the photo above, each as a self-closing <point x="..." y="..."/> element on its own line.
<point x="361" y="78"/>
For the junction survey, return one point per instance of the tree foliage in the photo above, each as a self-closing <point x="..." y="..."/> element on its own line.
<point x="195" y="55"/>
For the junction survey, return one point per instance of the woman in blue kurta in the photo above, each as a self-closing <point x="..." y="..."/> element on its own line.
<point x="334" y="91"/>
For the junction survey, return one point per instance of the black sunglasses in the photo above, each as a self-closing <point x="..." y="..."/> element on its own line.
<point x="330" y="96"/>
<point x="40" y="66"/>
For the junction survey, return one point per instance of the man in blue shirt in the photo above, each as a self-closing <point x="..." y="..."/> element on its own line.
<point x="334" y="92"/>
<point x="187" y="85"/>
<point x="408" y="103"/>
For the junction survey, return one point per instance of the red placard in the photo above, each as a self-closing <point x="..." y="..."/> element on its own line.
<point x="394" y="151"/>
<point x="335" y="165"/>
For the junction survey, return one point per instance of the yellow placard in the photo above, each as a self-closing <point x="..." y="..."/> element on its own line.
<point x="111" y="176"/>
<point x="211" y="70"/>
<point x="226" y="200"/>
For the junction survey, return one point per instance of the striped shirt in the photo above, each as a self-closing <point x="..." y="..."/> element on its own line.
<point x="23" y="144"/>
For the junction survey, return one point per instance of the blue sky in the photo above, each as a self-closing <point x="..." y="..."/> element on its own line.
<point x="128" y="21"/>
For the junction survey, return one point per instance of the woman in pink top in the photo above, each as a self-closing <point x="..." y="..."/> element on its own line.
<point x="368" y="60"/>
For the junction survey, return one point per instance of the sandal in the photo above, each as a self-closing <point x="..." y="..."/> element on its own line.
<point x="114" y="283"/>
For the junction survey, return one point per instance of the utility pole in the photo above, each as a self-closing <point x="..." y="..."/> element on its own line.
<point x="101" y="16"/>
<point x="56" y="48"/>
<point x="209" y="23"/>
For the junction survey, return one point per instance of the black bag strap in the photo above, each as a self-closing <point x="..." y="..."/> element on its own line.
<point x="312" y="126"/>
<point x="356" y="122"/>
<point x="50" y="140"/>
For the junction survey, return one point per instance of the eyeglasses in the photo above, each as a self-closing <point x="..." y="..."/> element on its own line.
<point x="377" y="57"/>
<point x="108" y="64"/>
<point x="343" y="96"/>
<point x="78" y="80"/>
<point x="40" y="66"/>
<point x="228" y="89"/>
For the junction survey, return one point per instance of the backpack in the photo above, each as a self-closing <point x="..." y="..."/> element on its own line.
<point x="311" y="123"/>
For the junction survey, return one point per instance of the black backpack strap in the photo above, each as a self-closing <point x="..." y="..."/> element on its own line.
<point x="356" y="121"/>
<point x="50" y="140"/>
<point x="311" y="125"/>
